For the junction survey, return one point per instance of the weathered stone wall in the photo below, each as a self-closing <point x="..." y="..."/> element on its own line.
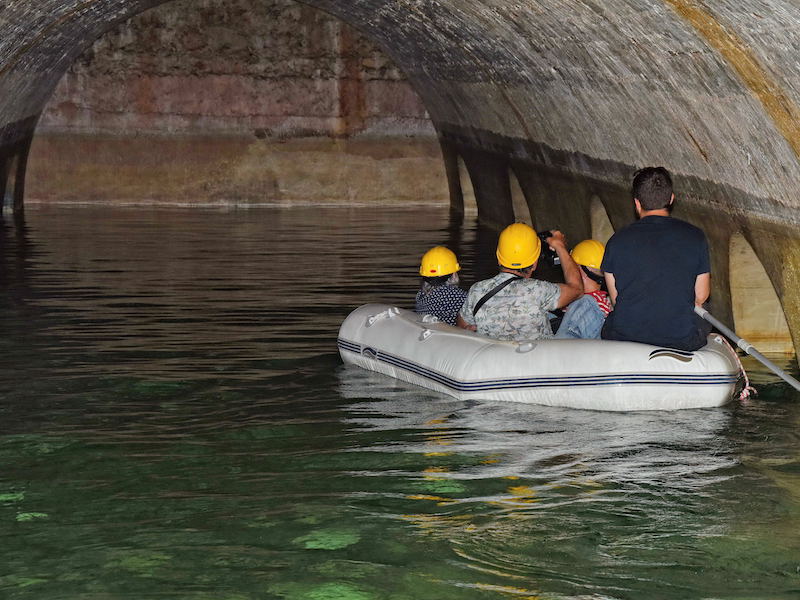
<point x="257" y="67"/>
<point x="235" y="102"/>
<point x="234" y="170"/>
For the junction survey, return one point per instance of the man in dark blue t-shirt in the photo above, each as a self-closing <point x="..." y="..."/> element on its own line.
<point x="656" y="270"/>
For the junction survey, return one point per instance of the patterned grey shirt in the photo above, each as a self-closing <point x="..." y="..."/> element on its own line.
<point x="517" y="312"/>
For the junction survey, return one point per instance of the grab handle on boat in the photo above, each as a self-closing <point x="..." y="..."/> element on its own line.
<point x="747" y="347"/>
<point x="526" y="347"/>
<point x="426" y="333"/>
<point x="386" y="314"/>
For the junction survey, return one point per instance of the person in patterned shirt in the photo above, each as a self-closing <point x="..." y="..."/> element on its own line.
<point x="439" y="294"/>
<point x="513" y="305"/>
<point x="584" y="318"/>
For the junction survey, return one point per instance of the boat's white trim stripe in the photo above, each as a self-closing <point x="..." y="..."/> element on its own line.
<point x="345" y="345"/>
<point x="553" y="381"/>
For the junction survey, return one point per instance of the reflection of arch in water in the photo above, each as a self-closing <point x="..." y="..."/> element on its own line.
<point x="601" y="226"/>
<point x="757" y="313"/>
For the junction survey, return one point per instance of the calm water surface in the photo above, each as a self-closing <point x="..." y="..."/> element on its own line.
<point x="175" y="422"/>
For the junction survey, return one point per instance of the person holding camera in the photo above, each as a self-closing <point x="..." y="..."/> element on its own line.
<point x="513" y="305"/>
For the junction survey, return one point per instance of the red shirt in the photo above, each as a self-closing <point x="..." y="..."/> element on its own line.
<point x="603" y="301"/>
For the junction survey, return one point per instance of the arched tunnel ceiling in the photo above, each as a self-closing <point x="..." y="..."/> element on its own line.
<point x="709" y="89"/>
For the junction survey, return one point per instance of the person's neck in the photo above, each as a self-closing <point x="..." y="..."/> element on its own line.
<point x="589" y="285"/>
<point x="659" y="212"/>
<point x="517" y="273"/>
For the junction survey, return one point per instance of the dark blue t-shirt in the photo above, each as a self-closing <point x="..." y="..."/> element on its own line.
<point x="655" y="262"/>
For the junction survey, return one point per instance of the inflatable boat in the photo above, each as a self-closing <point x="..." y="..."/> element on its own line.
<point x="588" y="374"/>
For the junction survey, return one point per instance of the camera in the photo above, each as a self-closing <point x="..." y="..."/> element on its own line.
<point x="548" y="254"/>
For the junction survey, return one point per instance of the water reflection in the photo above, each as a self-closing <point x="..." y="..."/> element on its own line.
<point x="176" y="422"/>
<point x="169" y="291"/>
<point x="525" y="492"/>
<point x="683" y="450"/>
<point x="16" y="250"/>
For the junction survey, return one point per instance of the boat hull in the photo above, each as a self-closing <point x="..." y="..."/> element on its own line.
<point x="586" y="374"/>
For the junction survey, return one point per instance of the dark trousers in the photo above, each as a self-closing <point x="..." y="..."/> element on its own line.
<point x="694" y="341"/>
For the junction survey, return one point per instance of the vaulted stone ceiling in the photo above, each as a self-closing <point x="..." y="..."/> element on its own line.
<point x="710" y="89"/>
<point x="590" y="89"/>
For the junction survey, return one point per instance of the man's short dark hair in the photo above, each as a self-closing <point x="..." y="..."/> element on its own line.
<point x="652" y="187"/>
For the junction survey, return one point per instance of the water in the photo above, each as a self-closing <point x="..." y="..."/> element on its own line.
<point x="176" y="423"/>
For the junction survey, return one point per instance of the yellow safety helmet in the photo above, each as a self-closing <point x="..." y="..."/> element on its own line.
<point x="589" y="253"/>
<point x="518" y="247"/>
<point x="438" y="261"/>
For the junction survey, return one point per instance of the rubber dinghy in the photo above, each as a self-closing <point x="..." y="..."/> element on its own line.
<point x="589" y="374"/>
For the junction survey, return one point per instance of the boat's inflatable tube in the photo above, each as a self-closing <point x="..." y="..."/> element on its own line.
<point x="591" y="374"/>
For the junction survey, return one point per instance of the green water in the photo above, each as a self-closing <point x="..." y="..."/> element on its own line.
<point x="175" y="422"/>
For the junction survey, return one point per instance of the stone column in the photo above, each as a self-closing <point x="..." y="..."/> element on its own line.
<point x="15" y="145"/>
<point x="489" y="175"/>
<point x="23" y="152"/>
<point x="5" y="164"/>
<point x="450" y="158"/>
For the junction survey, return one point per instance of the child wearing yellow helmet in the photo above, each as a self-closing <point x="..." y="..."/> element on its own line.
<point x="439" y="294"/>
<point x="584" y="318"/>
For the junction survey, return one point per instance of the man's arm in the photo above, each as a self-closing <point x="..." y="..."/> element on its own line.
<point x="467" y="309"/>
<point x="611" y="285"/>
<point x="702" y="288"/>
<point x="573" y="288"/>
<point x="464" y="325"/>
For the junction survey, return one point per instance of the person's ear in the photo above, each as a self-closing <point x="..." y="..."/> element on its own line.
<point x="638" y="206"/>
<point x="671" y="201"/>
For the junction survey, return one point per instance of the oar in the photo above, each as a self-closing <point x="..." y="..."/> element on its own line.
<point x="747" y="347"/>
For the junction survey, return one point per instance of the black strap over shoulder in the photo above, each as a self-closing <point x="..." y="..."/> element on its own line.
<point x="479" y="304"/>
<point x="599" y="279"/>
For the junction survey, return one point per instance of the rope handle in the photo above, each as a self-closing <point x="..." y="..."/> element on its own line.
<point x="748" y="391"/>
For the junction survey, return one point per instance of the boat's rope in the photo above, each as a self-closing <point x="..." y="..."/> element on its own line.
<point x="748" y="390"/>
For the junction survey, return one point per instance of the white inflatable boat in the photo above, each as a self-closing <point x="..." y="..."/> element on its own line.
<point x="590" y="374"/>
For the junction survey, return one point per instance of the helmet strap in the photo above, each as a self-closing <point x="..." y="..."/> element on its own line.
<point x="598" y="279"/>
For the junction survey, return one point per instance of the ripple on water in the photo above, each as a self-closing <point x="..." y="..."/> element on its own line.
<point x="177" y="423"/>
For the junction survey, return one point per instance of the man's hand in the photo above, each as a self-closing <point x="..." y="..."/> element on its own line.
<point x="556" y="239"/>
<point x="460" y="322"/>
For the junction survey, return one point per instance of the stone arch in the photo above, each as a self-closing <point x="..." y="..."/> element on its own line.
<point x="12" y="180"/>
<point x="467" y="189"/>
<point x="488" y="88"/>
<point x="757" y="312"/>
<point x="601" y="226"/>
<point x="9" y="180"/>
<point x="522" y="211"/>
<point x="5" y="168"/>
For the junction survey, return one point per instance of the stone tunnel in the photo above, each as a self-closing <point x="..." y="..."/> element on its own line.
<point x="541" y="109"/>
